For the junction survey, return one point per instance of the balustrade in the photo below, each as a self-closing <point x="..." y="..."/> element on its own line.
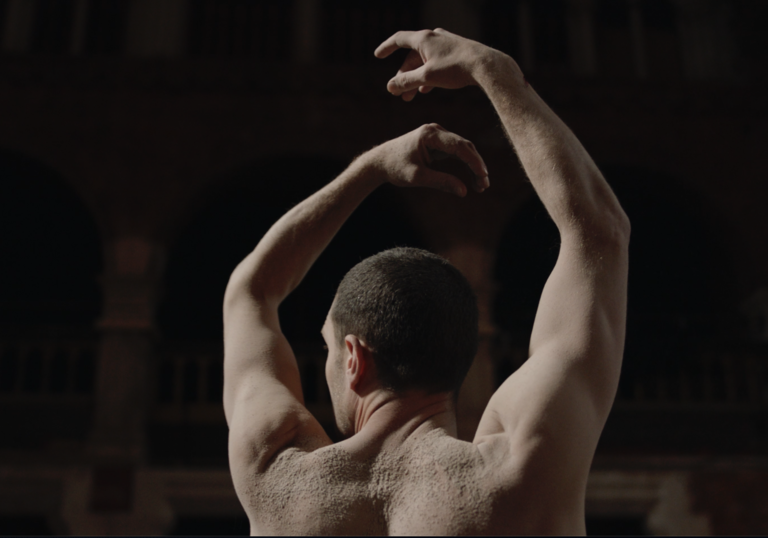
<point x="189" y="379"/>
<point x="190" y="383"/>
<point x="657" y="39"/>
<point x="719" y="379"/>
<point x="712" y="379"/>
<point x="57" y="370"/>
<point x="255" y="29"/>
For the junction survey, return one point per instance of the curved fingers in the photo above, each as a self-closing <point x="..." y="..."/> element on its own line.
<point x="403" y="39"/>
<point x="400" y="82"/>
<point x="407" y="81"/>
<point x="440" y="181"/>
<point x="453" y="144"/>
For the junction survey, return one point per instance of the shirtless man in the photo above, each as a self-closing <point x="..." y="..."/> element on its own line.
<point x="402" y="332"/>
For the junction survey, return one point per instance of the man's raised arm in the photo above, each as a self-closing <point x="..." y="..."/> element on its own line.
<point x="263" y="402"/>
<point x="555" y="405"/>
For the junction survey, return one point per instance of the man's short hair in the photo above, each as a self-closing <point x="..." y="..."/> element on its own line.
<point x="418" y="315"/>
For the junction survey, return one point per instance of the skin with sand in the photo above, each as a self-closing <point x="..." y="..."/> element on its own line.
<point x="400" y="469"/>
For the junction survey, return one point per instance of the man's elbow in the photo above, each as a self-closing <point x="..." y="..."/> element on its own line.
<point x="237" y="286"/>
<point x="245" y="286"/>
<point x="623" y="225"/>
<point x="604" y="218"/>
<point x="612" y="229"/>
<point x="615" y="234"/>
<point x="603" y="234"/>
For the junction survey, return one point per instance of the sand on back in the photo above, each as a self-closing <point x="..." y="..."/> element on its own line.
<point x="435" y="484"/>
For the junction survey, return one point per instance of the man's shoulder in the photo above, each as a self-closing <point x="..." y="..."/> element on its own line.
<point x="446" y="465"/>
<point x="457" y="487"/>
<point x="489" y="487"/>
<point x="306" y="468"/>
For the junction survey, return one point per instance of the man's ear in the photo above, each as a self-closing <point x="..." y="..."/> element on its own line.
<point x="358" y="361"/>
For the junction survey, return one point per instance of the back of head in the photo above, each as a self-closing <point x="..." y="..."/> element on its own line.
<point x="418" y="315"/>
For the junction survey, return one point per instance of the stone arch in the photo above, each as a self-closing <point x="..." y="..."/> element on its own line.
<point x="50" y="298"/>
<point x="678" y="285"/>
<point x="51" y="245"/>
<point x="235" y="216"/>
<point x="229" y="221"/>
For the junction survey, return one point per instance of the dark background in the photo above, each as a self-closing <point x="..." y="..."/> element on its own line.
<point x="145" y="147"/>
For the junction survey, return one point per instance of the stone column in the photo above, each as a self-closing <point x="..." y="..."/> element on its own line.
<point x="638" y="40"/>
<point x="133" y="269"/>
<point x="525" y="33"/>
<point x="662" y="497"/>
<point x="476" y="264"/>
<point x="149" y="512"/>
<point x="755" y="311"/>
<point x="705" y="41"/>
<point x="306" y="14"/>
<point x="115" y="494"/>
<point x="581" y="37"/>
<point x="79" y="20"/>
<point x="157" y="29"/>
<point x="19" y="18"/>
<point x="457" y="16"/>
<point x="673" y="514"/>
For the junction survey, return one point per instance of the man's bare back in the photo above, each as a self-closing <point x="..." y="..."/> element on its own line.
<point x="401" y="469"/>
<point x="431" y="484"/>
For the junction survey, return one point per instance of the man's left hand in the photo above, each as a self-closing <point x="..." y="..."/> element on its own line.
<point x="406" y="160"/>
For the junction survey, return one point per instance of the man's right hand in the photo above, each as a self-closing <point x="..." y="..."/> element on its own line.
<point x="405" y="161"/>
<point x="439" y="59"/>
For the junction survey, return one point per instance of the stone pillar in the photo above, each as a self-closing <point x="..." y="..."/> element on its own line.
<point x="525" y="33"/>
<point x="581" y="37"/>
<point x="673" y="514"/>
<point x="306" y="15"/>
<point x="638" y="40"/>
<point x="755" y="311"/>
<point x="662" y="497"/>
<point x="115" y="494"/>
<point x="19" y="18"/>
<point x="705" y="41"/>
<point x="157" y="29"/>
<point x="149" y="512"/>
<point x="79" y="20"/>
<point x="476" y="264"/>
<point x="133" y="270"/>
<point x="457" y="16"/>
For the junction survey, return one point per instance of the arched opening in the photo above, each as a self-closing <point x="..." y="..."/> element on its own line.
<point x="533" y="32"/>
<point x="200" y="262"/>
<point x="51" y="250"/>
<point x="239" y="28"/>
<point x="637" y="39"/>
<point x="49" y="297"/>
<point x="349" y="30"/>
<point x="678" y="289"/>
<point x="679" y="292"/>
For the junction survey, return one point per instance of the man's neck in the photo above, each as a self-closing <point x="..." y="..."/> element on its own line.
<point x="386" y="419"/>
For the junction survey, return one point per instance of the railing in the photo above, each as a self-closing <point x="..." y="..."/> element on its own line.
<point x="64" y="26"/>
<point x="247" y="28"/>
<point x="190" y="383"/>
<point x="711" y="379"/>
<point x="59" y="369"/>
<point x="351" y="30"/>
<point x="632" y="38"/>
